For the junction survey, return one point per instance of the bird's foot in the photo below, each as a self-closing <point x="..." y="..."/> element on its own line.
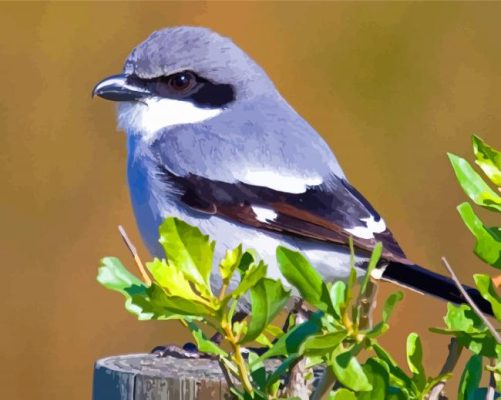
<point x="189" y="350"/>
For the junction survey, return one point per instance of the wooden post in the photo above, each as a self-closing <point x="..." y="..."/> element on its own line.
<point x="148" y="377"/>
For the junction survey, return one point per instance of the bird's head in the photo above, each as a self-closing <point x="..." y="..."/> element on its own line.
<point x="181" y="75"/>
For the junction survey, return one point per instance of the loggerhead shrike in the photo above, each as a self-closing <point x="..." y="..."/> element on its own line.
<point x="212" y="142"/>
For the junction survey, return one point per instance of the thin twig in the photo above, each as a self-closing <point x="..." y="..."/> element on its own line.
<point x="134" y="253"/>
<point x="471" y="302"/>
<point x="450" y="363"/>
<point x="226" y="374"/>
<point x="491" y="388"/>
<point x="455" y="350"/>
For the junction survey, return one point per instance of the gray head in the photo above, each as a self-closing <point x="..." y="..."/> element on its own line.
<point x="182" y="75"/>
<point x="201" y="51"/>
<point x="187" y="63"/>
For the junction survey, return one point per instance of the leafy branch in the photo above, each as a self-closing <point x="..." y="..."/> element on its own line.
<point x="339" y="335"/>
<point x="470" y="302"/>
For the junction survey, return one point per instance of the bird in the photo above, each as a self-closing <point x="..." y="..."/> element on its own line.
<point x="211" y="141"/>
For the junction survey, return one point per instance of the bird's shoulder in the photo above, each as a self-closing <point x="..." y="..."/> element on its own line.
<point x="332" y="211"/>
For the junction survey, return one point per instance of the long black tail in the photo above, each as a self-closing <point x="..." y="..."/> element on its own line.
<point x="428" y="282"/>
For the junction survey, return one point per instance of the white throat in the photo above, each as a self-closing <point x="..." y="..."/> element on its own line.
<point x="153" y="114"/>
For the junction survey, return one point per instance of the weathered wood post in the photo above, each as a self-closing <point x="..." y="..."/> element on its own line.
<point x="148" y="377"/>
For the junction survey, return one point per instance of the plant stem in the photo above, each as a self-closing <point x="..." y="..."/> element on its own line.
<point x="491" y="388"/>
<point x="367" y="304"/>
<point x="238" y="359"/>
<point x="346" y="320"/>
<point x="135" y="254"/>
<point x="471" y="302"/>
<point x="226" y="374"/>
<point x="455" y="350"/>
<point x="450" y="363"/>
<point x="222" y="293"/>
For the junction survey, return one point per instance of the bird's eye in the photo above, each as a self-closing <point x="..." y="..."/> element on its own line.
<point x="182" y="81"/>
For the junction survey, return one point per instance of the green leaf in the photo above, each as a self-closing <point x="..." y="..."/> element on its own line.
<point x="470" y="331"/>
<point x="237" y="393"/>
<point x="229" y="263"/>
<point x="263" y="340"/>
<point x="488" y="240"/>
<point x="488" y="159"/>
<point x="395" y="393"/>
<point x="375" y="256"/>
<point x="379" y="379"/>
<point x="314" y="361"/>
<point x="291" y="341"/>
<point x="318" y="345"/>
<point x="204" y="344"/>
<point x="377" y="330"/>
<point x="390" y="304"/>
<point x="337" y="294"/>
<point x="249" y="279"/>
<point x="484" y="345"/>
<point x="342" y="394"/>
<point x="348" y="370"/>
<point x="246" y="260"/>
<point x="113" y="275"/>
<point x="397" y="376"/>
<point x="473" y="184"/>
<point x="154" y="303"/>
<point x="462" y="318"/>
<point x="388" y="307"/>
<point x="173" y="280"/>
<point x="415" y="360"/>
<point x="189" y="250"/>
<point x="282" y="369"/>
<point x="239" y="327"/>
<point x="274" y="331"/>
<point x="268" y="298"/>
<point x="470" y="379"/>
<point x="258" y="371"/>
<point x="481" y="394"/>
<point x="147" y="302"/>
<point x="486" y="288"/>
<point x="352" y="278"/>
<point x="273" y="390"/>
<point x="300" y="274"/>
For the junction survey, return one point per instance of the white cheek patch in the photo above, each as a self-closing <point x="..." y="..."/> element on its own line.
<point x="264" y="214"/>
<point x="153" y="114"/>
<point x="367" y="232"/>
<point x="278" y="181"/>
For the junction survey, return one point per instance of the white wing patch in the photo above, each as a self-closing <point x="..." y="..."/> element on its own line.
<point x="153" y="114"/>
<point x="367" y="232"/>
<point x="264" y="214"/>
<point x="279" y="181"/>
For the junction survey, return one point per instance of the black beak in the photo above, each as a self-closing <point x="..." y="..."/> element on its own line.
<point x="121" y="88"/>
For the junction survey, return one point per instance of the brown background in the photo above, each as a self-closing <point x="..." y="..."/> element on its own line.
<point x="392" y="87"/>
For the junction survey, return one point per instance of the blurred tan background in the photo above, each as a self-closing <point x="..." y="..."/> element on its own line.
<point x="392" y="87"/>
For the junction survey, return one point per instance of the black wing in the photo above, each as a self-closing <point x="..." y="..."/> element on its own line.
<point x="326" y="212"/>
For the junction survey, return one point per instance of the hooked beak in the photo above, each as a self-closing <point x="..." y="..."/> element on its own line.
<point x="121" y="88"/>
